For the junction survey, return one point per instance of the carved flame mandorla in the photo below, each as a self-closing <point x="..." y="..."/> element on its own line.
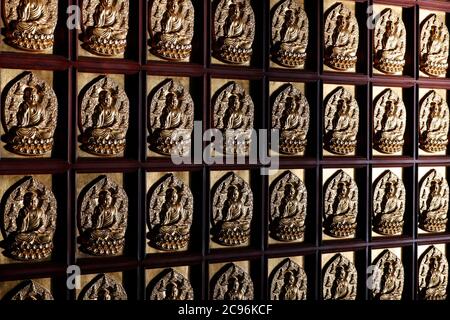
<point x="171" y="285"/>
<point x="340" y="205"/>
<point x="433" y="205"/>
<point x="433" y="123"/>
<point x="290" y="29"/>
<point x="339" y="279"/>
<point x="341" y="38"/>
<point x="232" y="283"/>
<point x="341" y="122"/>
<point x="232" y="210"/>
<point x="30" y="24"/>
<point x="30" y="290"/>
<point x="105" y="26"/>
<point x="29" y="116"/>
<point x="171" y="29"/>
<point x="171" y="119"/>
<point x="388" y="277"/>
<point x="389" y="122"/>
<point x="104" y="118"/>
<point x="29" y="220"/>
<point x="291" y="115"/>
<point x="171" y="207"/>
<point x="433" y="275"/>
<point x="389" y="43"/>
<point x="234" y="31"/>
<point x="103" y="288"/>
<point x="388" y="204"/>
<point x="234" y="114"/>
<point x="288" y="282"/>
<point x="434" y="46"/>
<point x="103" y="218"/>
<point x="288" y="207"/>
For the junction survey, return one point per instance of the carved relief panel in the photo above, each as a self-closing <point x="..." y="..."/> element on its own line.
<point x="434" y="120"/>
<point x="104" y="27"/>
<point x="30" y="24"/>
<point x="389" y="121"/>
<point x="340" y="204"/>
<point x="233" y="32"/>
<point x="388" y="277"/>
<point x="291" y="116"/>
<point x="340" y="278"/>
<point x="27" y="290"/>
<point x="433" y="200"/>
<point x="103" y="217"/>
<point x="29" y="116"/>
<point x="103" y="118"/>
<point x="288" y="280"/>
<point x="29" y="219"/>
<point x="432" y="273"/>
<point x="290" y="34"/>
<point x="434" y="44"/>
<point x="288" y="208"/>
<point x="389" y="41"/>
<point x="170" y="211"/>
<point x="102" y="287"/>
<point x="231" y="282"/>
<point x="231" y="209"/>
<point x="170" y="119"/>
<point x="341" y="36"/>
<point x="389" y="197"/>
<point x="170" y="284"/>
<point x="233" y="114"/>
<point x="340" y="121"/>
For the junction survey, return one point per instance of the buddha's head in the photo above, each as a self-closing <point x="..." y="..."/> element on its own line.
<point x="341" y="273"/>
<point x="31" y="200"/>
<point x="289" y="191"/>
<point x="233" y="284"/>
<point x="173" y="6"/>
<point x="172" y="291"/>
<point x="234" y="103"/>
<point x="172" y="196"/>
<point x="388" y="268"/>
<point x="390" y="190"/>
<point x="31" y="95"/>
<point x="342" y="190"/>
<point x="233" y="193"/>
<point x="105" y="98"/>
<point x="289" y="278"/>
<point x="341" y="107"/>
<point x="434" y="188"/>
<point x="105" y="199"/>
<point x="171" y="100"/>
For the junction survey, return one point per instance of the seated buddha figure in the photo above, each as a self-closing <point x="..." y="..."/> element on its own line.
<point x="235" y="290"/>
<point x="341" y="288"/>
<point x="389" y="136"/>
<point x="235" y="45"/>
<point x="435" y="281"/>
<point x="108" y="33"/>
<point x="173" y="41"/>
<point x="32" y="226"/>
<point x="435" y="51"/>
<point x="235" y="127"/>
<point x="172" y="116"/>
<point x="293" y="39"/>
<point x="433" y="212"/>
<point x="388" y="217"/>
<point x="33" y="27"/>
<point x="31" y="129"/>
<point x="434" y="135"/>
<point x="293" y="123"/>
<point x="389" y="284"/>
<point x="233" y="227"/>
<point x="340" y="220"/>
<point x="106" y="226"/>
<point x="291" y="216"/>
<point x="173" y="217"/>
<point x="341" y="130"/>
<point x="291" y="289"/>
<point x="234" y="117"/>
<point x="390" y="54"/>
<point x="107" y="134"/>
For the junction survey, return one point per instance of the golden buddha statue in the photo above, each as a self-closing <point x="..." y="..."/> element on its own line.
<point x="288" y="282"/>
<point x="433" y="123"/>
<point x="434" y="47"/>
<point x="232" y="283"/>
<point x="433" y="275"/>
<point x="339" y="280"/>
<point x="388" y="204"/>
<point x="341" y="38"/>
<point x="105" y="26"/>
<point x="104" y="118"/>
<point x="389" y="43"/>
<point x="234" y="31"/>
<point x="30" y="221"/>
<point x="170" y="214"/>
<point x="30" y="24"/>
<point x="388" y="277"/>
<point x="289" y="34"/>
<point x="434" y="199"/>
<point x="172" y="29"/>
